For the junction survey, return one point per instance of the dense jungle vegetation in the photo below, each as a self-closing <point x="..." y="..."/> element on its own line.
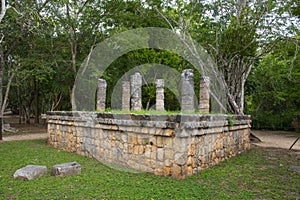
<point x="255" y="44"/>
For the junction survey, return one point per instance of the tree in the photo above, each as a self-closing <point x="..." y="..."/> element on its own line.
<point x="273" y="87"/>
<point x="23" y="27"/>
<point x="136" y="14"/>
<point x="3" y="10"/>
<point x="2" y="13"/>
<point x="237" y="34"/>
<point x="79" y="22"/>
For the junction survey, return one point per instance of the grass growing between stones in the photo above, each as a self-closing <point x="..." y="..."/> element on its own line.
<point x="260" y="173"/>
<point x="142" y="112"/>
<point x="152" y="112"/>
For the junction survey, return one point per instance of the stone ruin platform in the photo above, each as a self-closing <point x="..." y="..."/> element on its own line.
<point x="175" y="145"/>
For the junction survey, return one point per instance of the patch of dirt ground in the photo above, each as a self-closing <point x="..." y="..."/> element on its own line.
<point x="25" y="136"/>
<point x="23" y="131"/>
<point x="277" y="139"/>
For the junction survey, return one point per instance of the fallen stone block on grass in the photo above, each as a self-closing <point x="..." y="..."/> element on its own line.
<point x="30" y="172"/>
<point x="294" y="169"/>
<point x="66" y="169"/>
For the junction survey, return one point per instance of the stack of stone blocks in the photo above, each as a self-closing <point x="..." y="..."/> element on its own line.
<point x="175" y="145"/>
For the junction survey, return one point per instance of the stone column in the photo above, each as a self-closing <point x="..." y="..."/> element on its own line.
<point x="126" y="95"/>
<point x="160" y="106"/>
<point x="136" y="91"/>
<point x="187" y="91"/>
<point x="101" y="94"/>
<point x="204" y="94"/>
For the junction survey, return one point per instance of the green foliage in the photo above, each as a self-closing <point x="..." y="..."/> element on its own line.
<point x="230" y="122"/>
<point x="45" y="42"/>
<point x="142" y="112"/>
<point x="131" y="60"/>
<point x="256" y="174"/>
<point x="273" y="88"/>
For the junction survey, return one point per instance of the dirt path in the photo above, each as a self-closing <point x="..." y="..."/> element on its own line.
<point x="25" y="136"/>
<point x="277" y="139"/>
<point x="23" y="131"/>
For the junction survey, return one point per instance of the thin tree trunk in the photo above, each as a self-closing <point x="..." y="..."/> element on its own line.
<point x="3" y="10"/>
<point x="242" y="99"/>
<point x="1" y="84"/>
<point x="26" y="114"/>
<point x="19" y="103"/>
<point x="73" y="47"/>
<point x="1" y="78"/>
<point x="56" y="101"/>
<point x="7" y="92"/>
<point x="36" y="102"/>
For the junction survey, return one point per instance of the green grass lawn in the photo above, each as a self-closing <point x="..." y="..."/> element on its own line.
<point x="260" y="173"/>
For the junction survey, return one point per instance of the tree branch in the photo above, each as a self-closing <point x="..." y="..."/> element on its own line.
<point x="3" y="10"/>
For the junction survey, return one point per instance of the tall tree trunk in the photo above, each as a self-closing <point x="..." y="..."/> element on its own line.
<point x="2" y="63"/>
<point x="36" y="102"/>
<point x="73" y="47"/>
<point x="1" y="84"/>
<point x="3" y="10"/>
<point x="2" y="13"/>
<point x="7" y="92"/>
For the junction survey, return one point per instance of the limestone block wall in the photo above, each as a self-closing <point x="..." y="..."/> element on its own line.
<point x="167" y="145"/>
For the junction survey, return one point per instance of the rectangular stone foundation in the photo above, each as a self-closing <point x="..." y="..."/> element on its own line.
<point x="168" y="145"/>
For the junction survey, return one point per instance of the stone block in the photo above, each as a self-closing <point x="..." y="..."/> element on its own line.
<point x="136" y="149"/>
<point x="190" y="161"/>
<point x="66" y="169"/>
<point x="169" y="132"/>
<point x="30" y="172"/>
<point x="176" y="171"/>
<point x="168" y="142"/>
<point x="167" y="171"/>
<point x="167" y="163"/>
<point x="180" y="159"/>
<point x="159" y="172"/>
<point x="148" y="151"/>
<point x="124" y="138"/>
<point x="294" y="169"/>
<point x="159" y="142"/>
<point x="169" y="154"/>
<point x="189" y="171"/>
<point x="160" y="154"/>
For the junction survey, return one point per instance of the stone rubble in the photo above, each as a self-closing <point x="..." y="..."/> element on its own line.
<point x="30" y="172"/>
<point x="66" y="169"/>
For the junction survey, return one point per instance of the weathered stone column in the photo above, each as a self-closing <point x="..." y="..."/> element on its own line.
<point x="126" y="95"/>
<point x="160" y="105"/>
<point x="136" y="91"/>
<point x="204" y="94"/>
<point x="101" y="94"/>
<point x="187" y="91"/>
